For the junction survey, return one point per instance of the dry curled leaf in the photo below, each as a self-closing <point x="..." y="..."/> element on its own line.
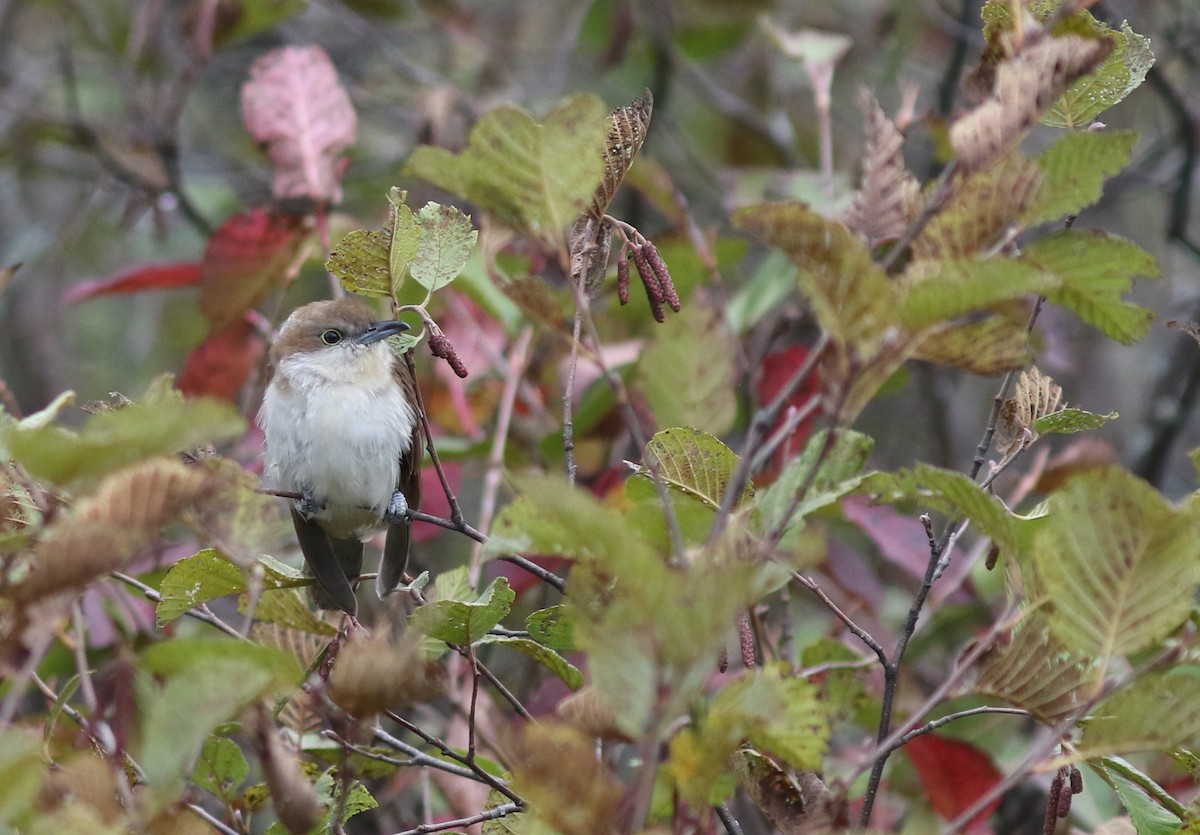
<point x="880" y="210"/>
<point x="1026" y="84"/>
<point x="627" y="128"/>
<point x="375" y="674"/>
<point x="294" y="104"/>
<point x="1034" y="396"/>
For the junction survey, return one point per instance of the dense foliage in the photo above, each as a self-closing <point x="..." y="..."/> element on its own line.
<point x="667" y="580"/>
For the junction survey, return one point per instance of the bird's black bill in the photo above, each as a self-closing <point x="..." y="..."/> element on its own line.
<point x="381" y="330"/>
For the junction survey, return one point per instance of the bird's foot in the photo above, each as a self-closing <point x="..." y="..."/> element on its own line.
<point x="398" y="511"/>
<point x="308" y="505"/>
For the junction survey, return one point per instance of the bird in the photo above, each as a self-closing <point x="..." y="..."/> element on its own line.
<point x="341" y="428"/>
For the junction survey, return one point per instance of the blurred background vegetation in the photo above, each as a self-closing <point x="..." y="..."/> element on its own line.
<point x="121" y="143"/>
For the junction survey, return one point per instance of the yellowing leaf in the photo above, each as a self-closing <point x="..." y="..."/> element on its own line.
<point x="989" y="347"/>
<point x="1034" y="396"/>
<point x="695" y="463"/>
<point x="1158" y="712"/>
<point x="536" y="178"/>
<point x="1119" y="565"/>
<point x="1036" y="671"/>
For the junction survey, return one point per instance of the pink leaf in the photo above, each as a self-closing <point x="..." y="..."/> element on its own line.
<point x="294" y="104"/>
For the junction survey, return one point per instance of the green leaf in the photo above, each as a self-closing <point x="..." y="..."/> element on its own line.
<point x="329" y="788"/>
<point x="360" y="263"/>
<point x="114" y="439"/>
<point x="694" y="463"/>
<point x="207" y="683"/>
<point x="1120" y="74"/>
<point x="404" y="239"/>
<point x="781" y="716"/>
<point x="1147" y="814"/>
<point x="1119" y="564"/>
<point x="553" y="517"/>
<point x="1092" y="270"/>
<point x="463" y="623"/>
<point x="21" y="770"/>
<point x="221" y="769"/>
<point x="1157" y="712"/>
<point x="850" y="295"/>
<point x="842" y="690"/>
<point x="536" y="178"/>
<point x="687" y="373"/>
<point x="287" y="607"/>
<point x="1074" y="170"/>
<point x="949" y="492"/>
<point x="552" y="628"/>
<point x="545" y="656"/>
<point x="204" y="576"/>
<point x="1068" y="421"/>
<point x="770" y="286"/>
<point x="447" y="240"/>
<point x="958" y="287"/>
<point x="839" y="474"/>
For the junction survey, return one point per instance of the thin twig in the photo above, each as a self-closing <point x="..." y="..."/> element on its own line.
<point x="732" y="827"/>
<point x="489" y="815"/>
<point x="200" y="613"/>
<point x="456" y="514"/>
<point x="952" y="717"/>
<point x="761" y="423"/>
<point x="862" y="634"/>
<point x="446" y="751"/>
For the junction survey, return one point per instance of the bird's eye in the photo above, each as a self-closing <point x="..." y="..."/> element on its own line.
<point x="331" y="337"/>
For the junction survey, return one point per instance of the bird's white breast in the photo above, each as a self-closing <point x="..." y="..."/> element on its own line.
<point x="336" y="423"/>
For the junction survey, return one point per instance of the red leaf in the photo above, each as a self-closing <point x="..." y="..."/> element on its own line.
<point x="246" y="258"/>
<point x="220" y="365"/>
<point x="294" y="104"/>
<point x="777" y="370"/>
<point x="955" y="774"/>
<point x="135" y="280"/>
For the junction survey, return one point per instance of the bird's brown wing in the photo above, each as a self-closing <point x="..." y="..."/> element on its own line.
<point x="395" y="550"/>
<point x="333" y="563"/>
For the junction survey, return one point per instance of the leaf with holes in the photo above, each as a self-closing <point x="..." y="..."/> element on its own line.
<point x="1118" y="563"/>
<point x="1122" y="72"/>
<point x="1024" y="86"/>
<point x="446" y="241"/>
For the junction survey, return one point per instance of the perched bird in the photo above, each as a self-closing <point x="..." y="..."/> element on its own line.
<point x="341" y="426"/>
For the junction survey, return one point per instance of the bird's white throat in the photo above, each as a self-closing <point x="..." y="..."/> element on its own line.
<point x="337" y="423"/>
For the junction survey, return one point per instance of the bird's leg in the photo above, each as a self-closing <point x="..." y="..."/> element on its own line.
<point x="397" y="509"/>
<point x="308" y="505"/>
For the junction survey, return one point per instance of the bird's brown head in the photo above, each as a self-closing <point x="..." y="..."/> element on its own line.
<point x="342" y="325"/>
